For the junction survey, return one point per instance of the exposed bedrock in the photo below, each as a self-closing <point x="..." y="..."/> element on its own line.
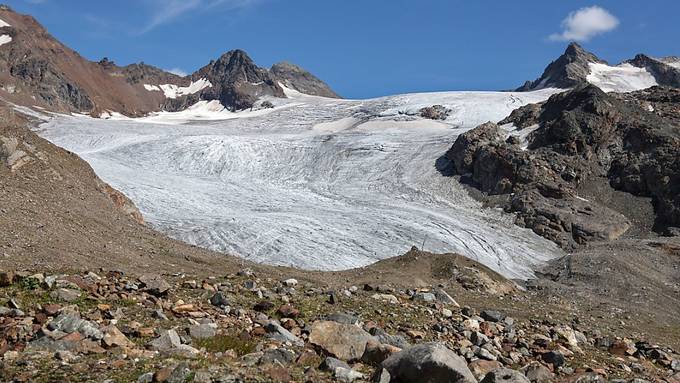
<point x="633" y="140"/>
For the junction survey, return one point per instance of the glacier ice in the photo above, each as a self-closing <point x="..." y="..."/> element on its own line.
<point x="313" y="183"/>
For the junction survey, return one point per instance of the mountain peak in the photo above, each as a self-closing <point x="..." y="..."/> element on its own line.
<point x="570" y="69"/>
<point x="236" y="55"/>
<point x="574" y="49"/>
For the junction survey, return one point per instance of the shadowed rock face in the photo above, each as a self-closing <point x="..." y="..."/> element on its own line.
<point x="567" y="71"/>
<point x="49" y="84"/>
<point x="582" y="135"/>
<point x="294" y="77"/>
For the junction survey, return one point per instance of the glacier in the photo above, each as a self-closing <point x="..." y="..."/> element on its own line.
<point x="313" y="183"/>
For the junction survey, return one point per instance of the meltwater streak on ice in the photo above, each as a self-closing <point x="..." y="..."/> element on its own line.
<point x="315" y="183"/>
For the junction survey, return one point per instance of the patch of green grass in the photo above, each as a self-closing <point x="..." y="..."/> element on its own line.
<point x="126" y="302"/>
<point x="223" y="343"/>
<point x="29" y="283"/>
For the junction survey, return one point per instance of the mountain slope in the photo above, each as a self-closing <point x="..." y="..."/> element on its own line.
<point x="37" y="69"/>
<point x="294" y="77"/>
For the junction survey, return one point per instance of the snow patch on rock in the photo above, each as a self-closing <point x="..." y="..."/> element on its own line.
<point x="672" y="61"/>
<point x="174" y="91"/>
<point x="3" y="24"/>
<point x="111" y="115"/>
<point x="620" y="78"/>
<point x="5" y="39"/>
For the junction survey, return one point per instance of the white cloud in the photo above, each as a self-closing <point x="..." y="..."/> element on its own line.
<point x="166" y="11"/>
<point x="178" y="72"/>
<point x="586" y="23"/>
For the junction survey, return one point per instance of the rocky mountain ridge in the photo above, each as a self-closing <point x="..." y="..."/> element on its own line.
<point x="574" y="67"/>
<point x="37" y="70"/>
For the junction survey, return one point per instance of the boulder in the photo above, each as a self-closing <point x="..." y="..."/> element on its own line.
<point x="71" y="323"/>
<point x="427" y="363"/>
<point x="218" y="299"/>
<point x="66" y="295"/>
<point x="202" y="331"/>
<point x="505" y="375"/>
<point x="167" y="341"/>
<point x="154" y="284"/>
<point x="377" y="352"/>
<point x="276" y="331"/>
<point x="538" y="373"/>
<point x="343" y="341"/>
<point x="113" y="337"/>
<point x="330" y="364"/>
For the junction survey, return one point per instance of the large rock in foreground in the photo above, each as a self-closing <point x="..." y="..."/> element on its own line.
<point x="426" y="363"/>
<point x="343" y="341"/>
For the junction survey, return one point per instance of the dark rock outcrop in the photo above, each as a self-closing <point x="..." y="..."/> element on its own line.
<point x="633" y="140"/>
<point x="294" y="77"/>
<point x="567" y="71"/>
<point x="49" y="84"/>
<point x="435" y="112"/>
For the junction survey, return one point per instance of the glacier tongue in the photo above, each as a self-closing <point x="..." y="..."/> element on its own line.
<point x="314" y="183"/>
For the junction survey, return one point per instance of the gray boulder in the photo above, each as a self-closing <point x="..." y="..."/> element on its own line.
<point x="343" y="341"/>
<point x="505" y="375"/>
<point x="427" y="363"/>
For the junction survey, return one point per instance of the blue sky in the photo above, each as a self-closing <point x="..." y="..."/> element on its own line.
<point x="365" y="48"/>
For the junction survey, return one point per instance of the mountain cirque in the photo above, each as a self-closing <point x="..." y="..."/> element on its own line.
<point x="89" y="292"/>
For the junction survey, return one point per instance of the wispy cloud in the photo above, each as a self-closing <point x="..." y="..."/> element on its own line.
<point x="167" y="11"/>
<point x="586" y="23"/>
<point x="178" y="71"/>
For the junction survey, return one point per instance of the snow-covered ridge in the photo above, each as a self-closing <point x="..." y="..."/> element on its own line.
<point x="5" y="39"/>
<point x="672" y="61"/>
<point x="620" y="78"/>
<point x="174" y="91"/>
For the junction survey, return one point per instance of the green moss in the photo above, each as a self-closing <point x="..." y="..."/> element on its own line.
<point x="223" y="343"/>
<point x="29" y="283"/>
